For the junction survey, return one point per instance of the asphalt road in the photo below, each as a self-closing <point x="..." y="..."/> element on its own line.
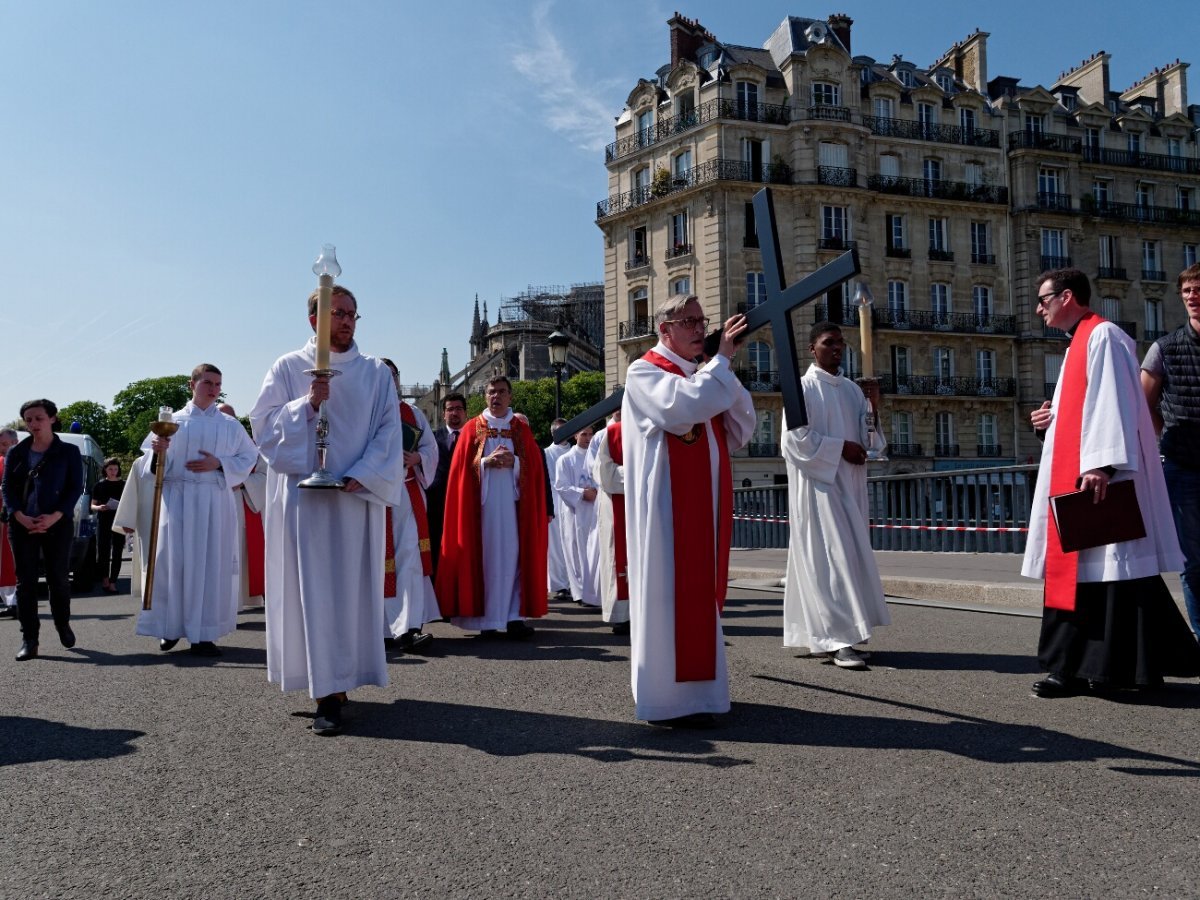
<point x="517" y="770"/>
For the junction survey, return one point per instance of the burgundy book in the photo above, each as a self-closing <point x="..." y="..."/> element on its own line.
<point x="1083" y="523"/>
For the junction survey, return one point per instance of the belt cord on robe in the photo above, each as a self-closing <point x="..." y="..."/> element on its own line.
<point x="417" y="501"/>
<point x="1062" y="568"/>
<point x="620" y="545"/>
<point x="701" y="563"/>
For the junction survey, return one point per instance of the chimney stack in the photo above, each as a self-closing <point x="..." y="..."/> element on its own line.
<point x="839" y="24"/>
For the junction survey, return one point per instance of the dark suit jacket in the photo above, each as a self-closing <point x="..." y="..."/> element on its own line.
<point x="435" y="494"/>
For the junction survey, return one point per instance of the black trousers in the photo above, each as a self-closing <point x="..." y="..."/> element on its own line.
<point x="109" y="546"/>
<point x="53" y="549"/>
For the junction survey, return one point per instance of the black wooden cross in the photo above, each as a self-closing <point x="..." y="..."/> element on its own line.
<point x="775" y="311"/>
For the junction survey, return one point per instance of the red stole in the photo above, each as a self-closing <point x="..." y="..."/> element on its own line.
<point x="255" y="552"/>
<point x="8" y="565"/>
<point x="417" y="501"/>
<point x="1062" y="569"/>
<point x="620" y="548"/>
<point x="701" y="560"/>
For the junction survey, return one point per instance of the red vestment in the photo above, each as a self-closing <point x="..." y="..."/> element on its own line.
<point x="459" y="584"/>
<point x="8" y="566"/>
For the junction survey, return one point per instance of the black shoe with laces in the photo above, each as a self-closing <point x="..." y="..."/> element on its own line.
<point x="328" y="720"/>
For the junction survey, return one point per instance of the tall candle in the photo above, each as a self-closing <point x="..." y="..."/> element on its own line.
<point x="865" y="336"/>
<point x="324" y="303"/>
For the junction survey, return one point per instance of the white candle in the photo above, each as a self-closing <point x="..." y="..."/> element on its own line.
<point x="865" y="337"/>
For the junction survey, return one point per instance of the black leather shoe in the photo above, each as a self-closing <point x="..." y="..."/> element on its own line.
<point x="415" y="642"/>
<point x="28" y="651"/>
<point x="8" y="612"/>
<point x="621" y="628"/>
<point x="164" y="645"/>
<point x="204" y="648"/>
<point x="67" y="636"/>
<point x="328" y="720"/>
<point x="518" y="630"/>
<point x="1054" y="686"/>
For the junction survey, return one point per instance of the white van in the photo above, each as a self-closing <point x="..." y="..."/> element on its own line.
<point x="83" y="551"/>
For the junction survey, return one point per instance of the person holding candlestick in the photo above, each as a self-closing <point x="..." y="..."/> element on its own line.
<point x="833" y="596"/>
<point x="326" y="546"/>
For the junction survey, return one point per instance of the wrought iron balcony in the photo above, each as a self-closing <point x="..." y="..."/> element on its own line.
<point x="1117" y="274"/>
<point x="947" y="386"/>
<point x="635" y="328"/>
<point x="829" y="113"/>
<point x="1136" y="212"/>
<point x="638" y="262"/>
<point x="988" y="450"/>
<point x="937" y="189"/>
<point x="837" y="176"/>
<point x="1153" y="275"/>
<point x="1059" y="202"/>
<point x="941" y="255"/>
<point x="679" y="250"/>
<point x="1034" y="140"/>
<point x="945" y="449"/>
<point x="757" y="448"/>
<point x="942" y="134"/>
<point x="1048" y="332"/>
<point x="1155" y="161"/>
<point x="904" y="450"/>
<point x="927" y="320"/>
<point x="768" y="113"/>
<point x="898" y="252"/>
<point x="849" y="314"/>
<point x="834" y="243"/>
<point x="759" y="380"/>
<point x="983" y="259"/>
<point x="1049" y="263"/>
<point x="705" y="173"/>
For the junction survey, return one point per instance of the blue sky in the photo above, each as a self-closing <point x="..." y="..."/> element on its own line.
<point x="171" y="169"/>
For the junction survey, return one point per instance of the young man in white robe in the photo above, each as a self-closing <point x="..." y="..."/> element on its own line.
<point x="558" y="578"/>
<point x="612" y="552"/>
<point x="1109" y="620"/>
<point x="833" y="596"/>
<point x="325" y="547"/>
<point x="408" y="598"/>
<point x="678" y="424"/>
<point x="197" y="563"/>
<point x="575" y="487"/>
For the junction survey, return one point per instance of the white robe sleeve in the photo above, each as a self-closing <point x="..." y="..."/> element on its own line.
<point x="255" y="488"/>
<point x="815" y="454"/>
<point x="564" y="481"/>
<point x="428" y="448"/>
<point x="609" y="476"/>
<point x="674" y="404"/>
<point x="241" y="455"/>
<point x="284" y="427"/>
<point x="375" y="470"/>
<point x="1110" y="407"/>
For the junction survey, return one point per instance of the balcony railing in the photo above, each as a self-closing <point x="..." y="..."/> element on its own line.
<point x="1048" y="332"/>
<point x="947" y="386"/>
<point x="635" y="328"/>
<point x="1050" y="263"/>
<point x="1136" y="212"/>
<point x="757" y="448"/>
<point x="713" y="170"/>
<point x="937" y="189"/>
<point x="945" y="449"/>
<point x="1033" y="140"/>
<point x="769" y="113"/>
<point x="1130" y="159"/>
<point x="983" y="259"/>
<point x="1117" y="274"/>
<point x="988" y="450"/>
<point x="904" y="450"/>
<point x="898" y="252"/>
<point x="759" y="380"/>
<point x="679" y="250"/>
<point x="837" y="176"/>
<point x="941" y="255"/>
<point x="943" y="134"/>
<point x="1059" y="202"/>
<point x="1153" y="275"/>
<point x="927" y="320"/>
<point x="829" y="113"/>
<point x="834" y="243"/>
<point x="638" y="262"/>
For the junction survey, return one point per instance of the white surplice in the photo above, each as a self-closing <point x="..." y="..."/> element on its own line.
<point x="610" y="479"/>
<point x="832" y="597"/>
<point x="415" y="602"/>
<point x="556" y="561"/>
<point x="657" y="402"/>
<point x="498" y="494"/>
<point x="135" y="510"/>
<point x="197" y="566"/>
<point x="324" y="576"/>
<point x="572" y="477"/>
<point x="1116" y="432"/>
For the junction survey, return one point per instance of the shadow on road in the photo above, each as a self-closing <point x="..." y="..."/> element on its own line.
<point x="964" y="735"/>
<point x="27" y="740"/>
<point x="931" y="661"/>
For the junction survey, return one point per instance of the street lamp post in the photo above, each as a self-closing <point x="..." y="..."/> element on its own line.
<point x="558" y="343"/>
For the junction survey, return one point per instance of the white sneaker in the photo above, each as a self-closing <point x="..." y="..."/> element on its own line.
<point x="847" y="658"/>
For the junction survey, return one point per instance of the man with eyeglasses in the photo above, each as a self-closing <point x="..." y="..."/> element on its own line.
<point x="325" y="547"/>
<point x="1171" y="381"/>
<point x="1109" y="620"/>
<point x="493" y="569"/>
<point x="679" y="422"/>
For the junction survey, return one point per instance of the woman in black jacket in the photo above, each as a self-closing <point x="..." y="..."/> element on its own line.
<point x="43" y="480"/>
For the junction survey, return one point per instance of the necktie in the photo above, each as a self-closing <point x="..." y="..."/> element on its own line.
<point x="453" y="439"/>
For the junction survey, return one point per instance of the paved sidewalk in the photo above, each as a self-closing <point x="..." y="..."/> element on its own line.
<point x="989" y="579"/>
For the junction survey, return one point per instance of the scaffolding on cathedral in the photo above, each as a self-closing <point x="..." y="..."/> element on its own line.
<point x="578" y="309"/>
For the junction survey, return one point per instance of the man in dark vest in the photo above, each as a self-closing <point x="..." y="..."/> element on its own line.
<point x="1171" y="380"/>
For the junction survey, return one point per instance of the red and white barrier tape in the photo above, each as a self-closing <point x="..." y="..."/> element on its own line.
<point x="771" y="520"/>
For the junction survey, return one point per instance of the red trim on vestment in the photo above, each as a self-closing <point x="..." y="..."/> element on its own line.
<point x="620" y="545"/>
<point x="702" y="561"/>
<point x="1062" y="569"/>
<point x="255" y="552"/>
<point x="416" y="498"/>
<point x="8" y="565"/>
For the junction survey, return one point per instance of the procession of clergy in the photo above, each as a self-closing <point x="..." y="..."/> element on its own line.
<point x="641" y="524"/>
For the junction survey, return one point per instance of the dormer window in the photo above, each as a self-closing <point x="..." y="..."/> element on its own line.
<point x="945" y="81"/>
<point x="905" y="76"/>
<point x="1070" y="102"/>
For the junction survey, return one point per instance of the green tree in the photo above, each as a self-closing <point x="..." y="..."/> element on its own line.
<point x="93" y="419"/>
<point x="136" y="406"/>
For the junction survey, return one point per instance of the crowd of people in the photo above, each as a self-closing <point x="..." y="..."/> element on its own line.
<point x="474" y="523"/>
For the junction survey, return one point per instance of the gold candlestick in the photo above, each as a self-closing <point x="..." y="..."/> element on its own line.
<point x="163" y="427"/>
